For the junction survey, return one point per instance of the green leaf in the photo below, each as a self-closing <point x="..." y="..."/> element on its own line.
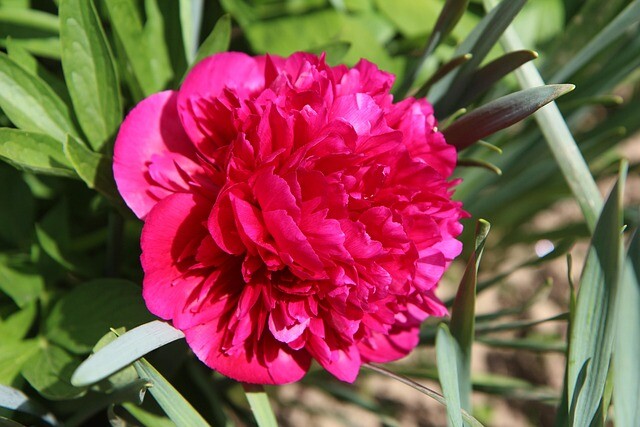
<point x="441" y="72"/>
<point x="18" y="209"/>
<point x="20" y="281"/>
<point x="448" y="354"/>
<point x="95" y="169"/>
<point x="30" y="104"/>
<point x="49" y="370"/>
<point x="485" y="35"/>
<point x="260" y="406"/>
<point x="80" y="319"/>
<point x="170" y="400"/>
<point x="147" y="418"/>
<point x="121" y="378"/>
<point x="34" y="152"/>
<point x="125" y="350"/>
<point x="190" y="21"/>
<point x="217" y="41"/>
<point x="413" y="18"/>
<point x="16" y="326"/>
<point x="593" y="329"/>
<point x="463" y="314"/>
<point x="16" y="400"/>
<point x="484" y="78"/>
<point x="89" y="71"/>
<point x="627" y="342"/>
<point x="335" y="51"/>
<point x="143" y="45"/>
<point x="500" y="113"/>
<point x="12" y="356"/>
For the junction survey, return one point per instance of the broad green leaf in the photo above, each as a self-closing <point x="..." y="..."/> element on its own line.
<point x="463" y="315"/>
<point x="80" y="319"/>
<point x="18" y="209"/>
<point x="49" y="371"/>
<point x="93" y="168"/>
<point x="30" y="104"/>
<point x="627" y="342"/>
<point x="12" y="356"/>
<point x="16" y="400"/>
<point x="125" y="350"/>
<point x="334" y="52"/>
<point x="143" y="44"/>
<point x="500" y="113"/>
<point x="34" y="152"/>
<point x="448" y="354"/>
<point x="89" y="71"/>
<point x="31" y="29"/>
<point x="170" y="400"/>
<point x="16" y="326"/>
<point x="190" y="22"/>
<point x="147" y="418"/>
<point x="592" y="332"/>
<point x="260" y="406"/>
<point x="540" y="21"/>
<point x="485" y="35"/>
<point x="413" y="18"/>
<point x="217" y="41"/>
<point x="20" y="281"/>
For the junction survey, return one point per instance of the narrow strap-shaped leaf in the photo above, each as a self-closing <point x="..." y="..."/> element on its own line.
<point x="463" y="314"/>
<point x="451" y="12"/>
<point x="34" y="152"/>
<point x="170" y="400"/>
<point x="123" y="351"/>
<point x="593" y="329"/>
<point x="484" y="78"/>
<point x="441" y="72"/>
<point x="422" y="389"/>
<point x="89" y="71"/>
<point x="217" y="41"/>
<point x="145" y="49"/>
<point x="500" y="113"/>
<point x="190" y="21"/>
<point x="628" y="17"/>
<point x="15" y="400"/>
<point x="260" y="406"/>
<point x="446" y="94"/>
<point x="626" y="373"/>
<point x="448" y="355"/>
<point x="31" y="104"/>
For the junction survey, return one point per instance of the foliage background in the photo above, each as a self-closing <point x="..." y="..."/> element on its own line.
<point x="69" y="249"/>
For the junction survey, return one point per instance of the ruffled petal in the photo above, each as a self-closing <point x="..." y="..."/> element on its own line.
<point x="152" y="130"/>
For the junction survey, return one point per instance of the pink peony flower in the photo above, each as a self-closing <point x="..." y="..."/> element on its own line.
<point x="292" y="212"/>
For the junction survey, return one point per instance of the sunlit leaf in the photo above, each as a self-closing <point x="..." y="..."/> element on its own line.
<point x="217" y="41"/>
<point x="49" y="371"/>
<point x="16" y="400"/>
<point x="449" y="354"/>
<point x="259" y="402"/>
<point x="34" y="152"/>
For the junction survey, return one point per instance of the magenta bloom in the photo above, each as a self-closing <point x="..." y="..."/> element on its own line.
<point x="292" y="212"/>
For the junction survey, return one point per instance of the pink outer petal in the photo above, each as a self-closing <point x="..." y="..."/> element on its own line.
<point x="233" y="70"/>
<point x="275" y="364"/>
<point x="382" y="348"/>
<point x="151" y="128"/>
<point x="172" y="228"/>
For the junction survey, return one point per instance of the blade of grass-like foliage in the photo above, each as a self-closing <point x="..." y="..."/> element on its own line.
<point x="558" y="136"/>
<point x="89" y="71"/>
<point x="259" y="402"/>
<point x="217" y="41"/>
<point x="500" y="113"/>
<point x="593" y="330"/>
<point x="484" y="78"/>
<point x="445" y="69"/>
<point x="446" y="94"/>
<point x="190" y="22"/>
<point x="451" y="12"/>
<point x="529" y="344"/>
<point x="170" y="400"/>
<point x="464" y="162"/>
<point x="124" y="350"/>
<point x="147" y="418"/>
<point x="422" y="389"/>
<point x="34" y="152"/>
<point x="463" y="314"/>
<point x="448" y="354"/>
<point x="15" y="400"/>
<point x="628" y="17"/>
<point x="627" y="343"/>
<point x="30" y="103"/>
<point x="143" y="45"/>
